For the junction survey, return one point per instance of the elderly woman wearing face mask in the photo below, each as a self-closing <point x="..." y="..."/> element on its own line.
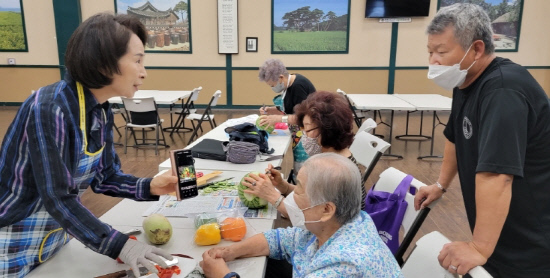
<point x="331" y="237"/>
<point x="327" y="124"/>
<point x="291" y="89"/>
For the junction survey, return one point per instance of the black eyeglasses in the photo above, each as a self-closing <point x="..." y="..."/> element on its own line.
<point x="306" y="131"/>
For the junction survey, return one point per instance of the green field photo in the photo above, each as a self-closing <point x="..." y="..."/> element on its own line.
<point x="310" y="41"/>
<point x="12" y="34"/>
<point x="313" y="26"/>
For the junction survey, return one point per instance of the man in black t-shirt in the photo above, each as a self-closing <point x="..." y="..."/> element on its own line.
<point x="498" y="140"/>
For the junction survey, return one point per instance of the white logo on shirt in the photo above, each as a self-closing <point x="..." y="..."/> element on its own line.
<point x="467" y="128"/>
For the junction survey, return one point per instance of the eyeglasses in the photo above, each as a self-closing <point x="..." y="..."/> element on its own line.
<point x="306" y="131"/>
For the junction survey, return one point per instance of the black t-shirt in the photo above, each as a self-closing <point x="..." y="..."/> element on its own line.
<point x="501" y="124"/>
<point x="297" y="92"/>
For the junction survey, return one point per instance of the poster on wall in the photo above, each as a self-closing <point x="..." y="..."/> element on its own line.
<point x="168" y="23"/>
<point x="505" y="18"/>
<point x="12" y="26"/>
<point x="310" y="26"/>
<point x="228" y="28"/>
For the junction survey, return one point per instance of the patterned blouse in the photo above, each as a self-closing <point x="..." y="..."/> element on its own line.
<point x="363" y="191"/>
<point x="355" y="250"/>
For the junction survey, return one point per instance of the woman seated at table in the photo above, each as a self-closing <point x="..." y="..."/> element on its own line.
<point x="291" y="89"/>
<point x="327" y="124"/>
<point x="331" y="237"/>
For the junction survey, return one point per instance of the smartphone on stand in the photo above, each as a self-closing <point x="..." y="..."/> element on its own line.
<point x="183" y="166"/>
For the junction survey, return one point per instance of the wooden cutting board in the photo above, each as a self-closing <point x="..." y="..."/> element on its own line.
<point x="204" y="179"/>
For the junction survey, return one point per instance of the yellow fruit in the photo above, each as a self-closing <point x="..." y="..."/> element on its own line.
<point x="208" y="234"/>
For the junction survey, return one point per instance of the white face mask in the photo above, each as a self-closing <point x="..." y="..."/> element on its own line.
<point x="310" y="145"/>
<point x="296" y="214"/>
<point x="449" y="77"/>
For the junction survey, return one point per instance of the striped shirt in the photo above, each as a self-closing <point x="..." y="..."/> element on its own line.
<point x="40" y="154"/>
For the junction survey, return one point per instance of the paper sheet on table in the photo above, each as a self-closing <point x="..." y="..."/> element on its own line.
<point x="247" y="119"/>
<point x="169" y="206"/>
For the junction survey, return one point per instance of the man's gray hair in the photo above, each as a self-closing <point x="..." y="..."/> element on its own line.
<point x="334" y="178"/>
<point x="271" y="70"/>
<point x="470" y="23"/>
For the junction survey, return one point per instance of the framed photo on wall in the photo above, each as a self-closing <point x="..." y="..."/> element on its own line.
<point x="505" y="18"/>
<point x="251" y="44"/>
<point x="168" y="23"/>
<point x="310" y="26"/>
<point x="13" y="37"/>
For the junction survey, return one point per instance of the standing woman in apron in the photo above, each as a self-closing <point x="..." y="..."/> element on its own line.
<point x="61" y="142"/>
<point x="291" y="89"/>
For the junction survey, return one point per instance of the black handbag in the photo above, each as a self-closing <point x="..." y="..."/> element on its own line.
<point x="248" y="132"/>
<point x="209" y="149"/>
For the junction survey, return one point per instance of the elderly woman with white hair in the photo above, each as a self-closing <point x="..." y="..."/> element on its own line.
<point x="331" y="237"/>
<point x="291" y="89"/>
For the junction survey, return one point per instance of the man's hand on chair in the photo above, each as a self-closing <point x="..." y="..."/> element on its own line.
<point x="426" y="195"/>
<point x="460" y="257"/>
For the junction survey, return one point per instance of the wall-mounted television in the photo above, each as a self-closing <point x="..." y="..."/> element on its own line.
<point x="397" y="8"/>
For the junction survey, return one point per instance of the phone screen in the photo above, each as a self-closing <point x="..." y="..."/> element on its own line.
<point x="183" y="163"/>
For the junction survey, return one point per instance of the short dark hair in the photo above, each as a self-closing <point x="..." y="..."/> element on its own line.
<point x="330" y="112"/>
<point x="96" y="46"/>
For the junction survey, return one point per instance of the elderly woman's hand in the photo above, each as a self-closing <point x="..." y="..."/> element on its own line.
<point x="222" y="252"/>
<point x="270" y="111"/>
<point x="213" y="267"/>
<point x="277" y="180"/>
<point x="261" y="186"/>
<point x="269" y="120"/>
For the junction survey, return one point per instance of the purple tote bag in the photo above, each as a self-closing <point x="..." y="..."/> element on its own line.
<point x="387" y="211"/>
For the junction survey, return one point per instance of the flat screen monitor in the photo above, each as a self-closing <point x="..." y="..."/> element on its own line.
<point x="397" y="8"/>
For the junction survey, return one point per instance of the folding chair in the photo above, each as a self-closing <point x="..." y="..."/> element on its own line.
<point x="367" y="126"/>
<point x="367" y="148"/>
<point x="206" y="116"/>
<point x="186" y="108"/>
<point x="358" y="115"/>
<point x="118" y="110"/>
<point x="423" y="259"/>
<point x="142" y="113"/>
<point x="389" y="180"/>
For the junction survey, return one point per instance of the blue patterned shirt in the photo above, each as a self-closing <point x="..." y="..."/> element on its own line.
<point x="355" y="250"/>
<point x="40" y="154"/>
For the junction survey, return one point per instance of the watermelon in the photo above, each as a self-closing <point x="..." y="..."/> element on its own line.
<point x="268" y="128"/>
<point x="249" y="200"/>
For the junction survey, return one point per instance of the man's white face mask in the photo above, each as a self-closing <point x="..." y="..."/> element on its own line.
<point x="449" y="77"/>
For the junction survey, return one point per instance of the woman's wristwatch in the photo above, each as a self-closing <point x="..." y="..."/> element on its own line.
<point x="284" y="119"/>
<point x="232" y="275"/>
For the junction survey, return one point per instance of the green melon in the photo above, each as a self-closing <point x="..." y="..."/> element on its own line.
<point x="249" y="200"/>
<point x="268" y="128"/>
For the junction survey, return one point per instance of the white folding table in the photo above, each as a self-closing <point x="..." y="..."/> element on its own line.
<point x="74" y="260"/>
<point x="161" y="97"/>
<point x="426" y="102"/>
<point x="279" y="142"/>
<point x="378" y="102"/>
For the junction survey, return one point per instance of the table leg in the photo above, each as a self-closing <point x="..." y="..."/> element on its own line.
<point x="414" y="137"/>
<point x="389" y="154"/>
<point x="434" y="125"/>
<point x="381" y="122"/>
